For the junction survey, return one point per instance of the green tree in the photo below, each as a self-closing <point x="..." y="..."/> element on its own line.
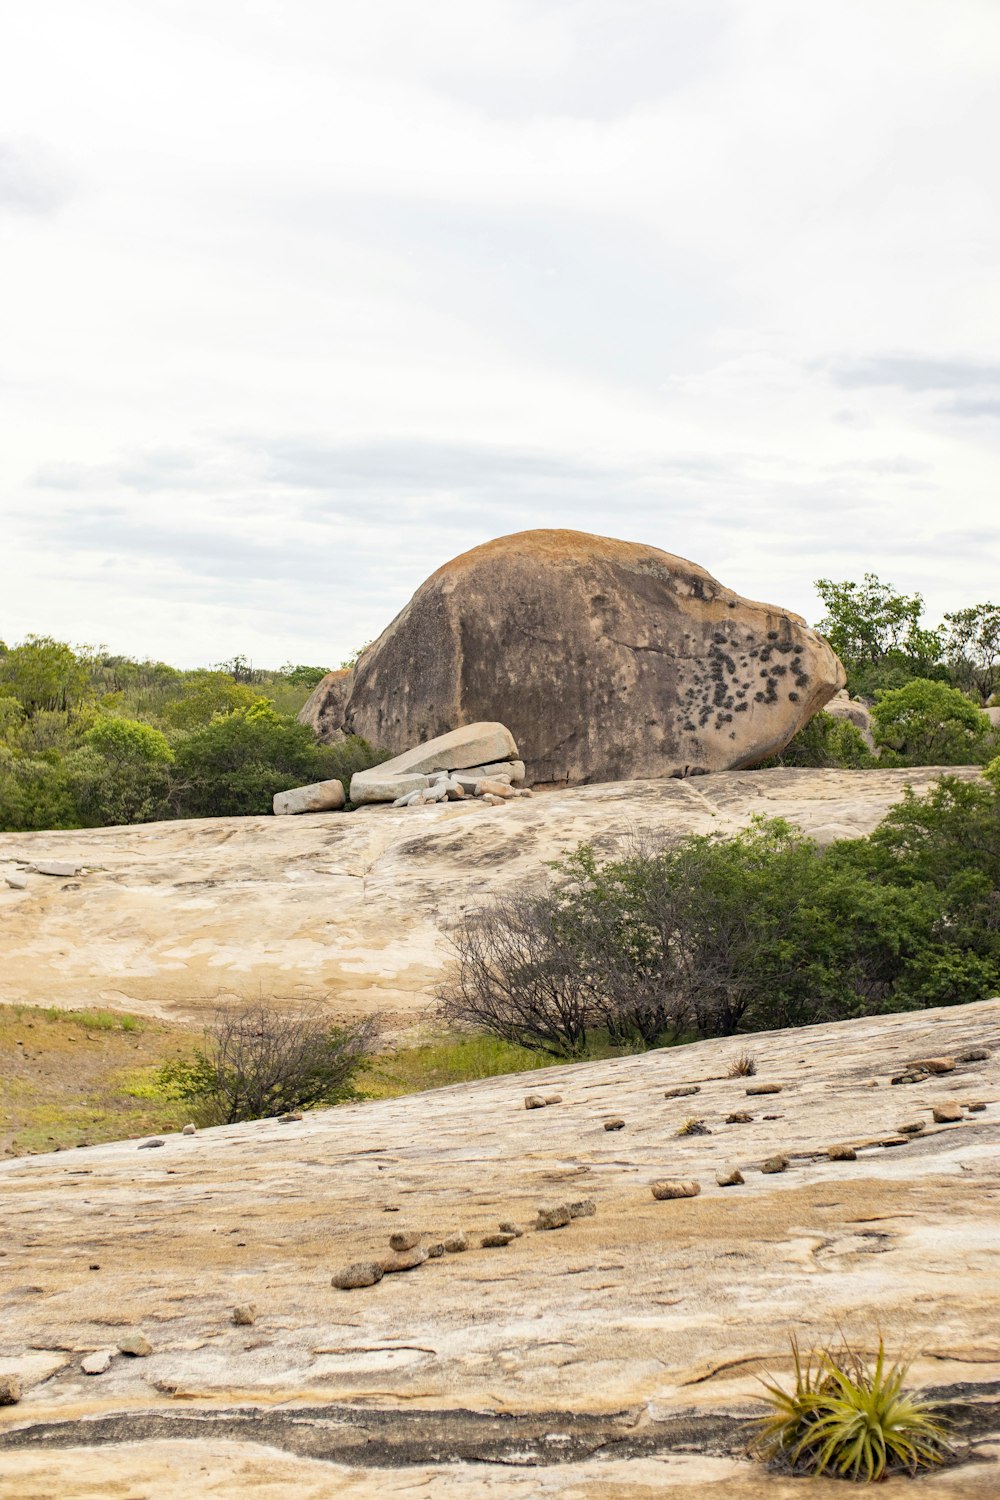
<point x="122" y="775"/>
<point x="234" y="764"/>
<point x="207" y="694"/>
<point x="929" y="724"/>
<point x="827" y="742"/>
<point x="972" y="649"/>
<point x="878" y="633"/>
<point x="44" y="674"/>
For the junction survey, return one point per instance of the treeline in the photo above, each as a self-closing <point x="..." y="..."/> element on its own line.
<point x="714" y="936"/>
<point x="88" y="739"/>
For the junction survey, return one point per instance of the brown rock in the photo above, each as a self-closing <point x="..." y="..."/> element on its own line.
<point x="436" y="1250"/>
<point x="671" y="1189"/>
<point x="495" y="1241"/>
<point x="492" y="787"/>
<point x="10" y="1390"/>
<point x="947" y="1112"/>
<point x="912" y="1127"/>
<point x="975" y="1106"/>
<point x="912" y="1075"/>
<point x="404" y="1239"/>
<point x="889" y="1141"/>
<point x="553" y="1098"/>
<point x="683" y="1091"/>
<point x="731" y="1178"/>
<point x="245" y="1316"/>
<point x="933" y="1065"/>
<point x="642" y="664"/>
<point x="554" y="1218"/>
<point x="135" y="1343"/>
<point x="841" y="1153"/>
<point x="739" y="1117"/>
<point x="973" y="1054"/>
<point x="775" y="1164"/>
<point x="407" y="1260"/>
<point x="324" y="709"/>
<point x="361" y="1273"/>
<point x="507" y="1227"/>
<point x="534" y="1101"/>
<point x="584" y="1208"/>
<point x="456" y="1243"/>
<point x="765" y="1088"/>
<point x="614" y="1124"/>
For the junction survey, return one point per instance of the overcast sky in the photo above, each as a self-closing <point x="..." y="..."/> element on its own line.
<point x="300" y="298"/>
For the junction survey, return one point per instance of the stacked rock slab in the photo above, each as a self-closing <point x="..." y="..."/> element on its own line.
<point x="608" y="660"/>
<point x="320" y="796"/>
<point x="469" y="755"/>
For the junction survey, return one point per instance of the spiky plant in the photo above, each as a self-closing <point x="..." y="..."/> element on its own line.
<point x="744" y="1066"/>
<point x="852" y="1420"/>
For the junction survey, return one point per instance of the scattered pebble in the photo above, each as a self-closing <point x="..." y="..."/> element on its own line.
<point x="614" y="1124"/>
<point x="976" y="1106"/>
<point x="404" y="1239"/>
<point x="973" y="1054"/>
<point x="534" y="1101"/>
<point x="136" y="1344"/>
<point x="739" y="1117"/>
<point x="553" y="1218"/>
<point x="584" y="1208"/>
<point x="553" y="1098"/>
<point x="947" y="1113"/>
<point x="361" y="1273"/>
<point x="245" y="1315"/>
<point x="390" y="1208"/>
<point x="841" y="1153"/>
<point x="911" y="1127"/>
<point x="456" y="1243"/>
<point x="683" y="1091"/>
<point x="506" y="1227"/>
<point x="775" y="1164"/>
<point x="290" y="1117"/>
<point x="407" y="1260"/>
<point x="97" y="1363"/>
<point x="190" y="1130"/>
<point x="694" y="1127"/>
<point x="765" y="1088"/>
<point x="932" y="1065"/>
<point x="495" y="1241"/>
<point x="10" y="1390"/>
<point x="149" y="1145"/>
<point x="435" y="1251"/>
<point x="668" y="1189"/>
<point x="895" y="1140"/>
<point x="731" y="1178"/>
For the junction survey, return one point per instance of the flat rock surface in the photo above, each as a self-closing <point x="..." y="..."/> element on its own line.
<point x="166" y="917"/>
<point x="616" y="1357"/>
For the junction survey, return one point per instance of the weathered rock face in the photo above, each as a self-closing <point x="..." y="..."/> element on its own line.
<point x="324" y="709"/>
<point x="606" y="659"/>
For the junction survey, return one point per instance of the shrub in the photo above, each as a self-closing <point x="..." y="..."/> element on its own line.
<point x="233" y="765"/>
<point x="855" y="1420"/>
<point x="826" y="742"/>
<point x="929" y="724"/>
<point x="262" y="1060"/>
<point x="122" y="776"/>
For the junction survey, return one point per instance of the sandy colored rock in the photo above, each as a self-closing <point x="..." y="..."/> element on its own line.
<point x="912" y="1127"/>
<point x="739" y="1117"/>
<point x="455" y="1244"/>
<point x="135" y="1343"/>
<point x="451" y="750"/>
<point x="534" y="1101"/>
<point x="666" y="1189"/>
<point x="615" y="1124"/>
<point x="493" y="787"/>
<point x="973" y="1054"/>
<point x="947" y="1112"/>
<point x="245" y="1315"/>
<point x="933" y="1065"/>
<point x="97" y="1363"/>
<point x="190" y="1129"/>
<point x="841" y="1153"/>
<point x="843" y="706"/>
<point x="776" y="1163"/>
<point x="10" y="1390"/>
<point x="360" y="1273"/>
<point x="554" y="1218"/>
<point x="56" y="867"/>
<point x="976" y="1107"/>
<point x="641" y="663"/>
<point x="404" y="1239"/>
<point x="495" y="1241"/>
<point x="683" y="1091"/>
<point x="324" y="709"/>
<point x="319" y="796"/>
<point x="730" y="1177"/>
<point x="764" y="1088"/>
<point x="553" y="1098"/>
<point x="404" y="1260"/>
<point x="16" y="880"/>
<point x="584" y="1208"/>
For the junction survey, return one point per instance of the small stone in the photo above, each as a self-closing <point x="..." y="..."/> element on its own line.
<point x="190" y="1130"/>
<point x="534" y="1101"/>
<point x="912" y="1127"/>
<point x="408" y="1260"/>
<point x="773" y="1117"/>
<point x="841" y="1153"/>
<point x="150" y="1145"/>
<point x="493" y="786"/>
<point x="553" y="1098"/>
<point x="435" y="1251"/>
<point x="917" y="1075"/>
<point x="245" y="1315"/>
<point x="390" y="1208"/>
<point x="492" y="801"/>
<point x="683" y="1091"/>
<point x="933" y="1065"/>
<point x="290" y="1117"/>
<point x="58" y="867"/>
<point x="10" y="1390"/>
<point x="975" y="1107"/>
<point x="947" y="1113"/>
<point x="16" y="882"/>
<point x="404" y="1239"/>
<point x="894" y="1140"/>
<point x="554" y="1218"/>
<point x="670" y="1189"/>
<point x="506" y="1227"/>
<point x="694" y="1127"/>
<point x="739" y="1117"/>
<point x="973" y="1054"/>
<point x="775" y="1164"/>
<point x="361" y="1273"/>
<point x="732" y="1178"/>
<point x="97" y="1363"/>
<point x="765" y="1088"/>
<point x="523" y="791"/>
<point x="614" y="1124"/>
<point x="136" y="1344"/>
<point x="456" y="791"/>
<point x="456" y="1243"/>
<point x="584" y="1208"/>
<point x="495" y="1241"/>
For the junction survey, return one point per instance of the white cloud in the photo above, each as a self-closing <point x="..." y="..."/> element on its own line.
<point x="302" y="298"/>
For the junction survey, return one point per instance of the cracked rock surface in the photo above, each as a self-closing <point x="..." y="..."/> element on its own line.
<point x="616" y="1358"/>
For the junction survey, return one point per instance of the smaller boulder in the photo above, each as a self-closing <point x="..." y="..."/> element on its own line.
<point x="495" y="1241"/>
<point x="911" y="1127"/>
<point x="672" y="1189"/>
<point x="975" y="1107"/>
<point x="506" y="1226"/>
<point x="948" y="1112"/>
<point x="683" y="1091"/>
<point x="553" y="1098"/>
<point x="973" y="1054"/>
<point x="933" y="1065"/>
<point x="190" y="1129"/>
<point x="135" y="1343"/>
<point x="245" y="1316"/>
<point x="731" y="1178"/>
<point x="16" y="881"/>
<point x="841" y="1153"/>
<point x="584" y="1208"/>
<point x="97" y="1363"/>
<point x="57" y="867"/>
<point x="534" y="1101"/>
<point x="554" y="1218"/>
<point x="739" y="1117"/>
<point x="777" y="1163"/>
<point x="10" y="1390"/>
<point x="319" y="796"/>
<point x="615" y="1124"/>
<point x="404" y="1239"/>
<point x="455" y="1244"/>
<point x="361" y="1273"/>
<point x="435" y="1251"/>
<point x="150" y="1145"/>
<point x="407" y="1260"/>
<point x="765" y="1088"/>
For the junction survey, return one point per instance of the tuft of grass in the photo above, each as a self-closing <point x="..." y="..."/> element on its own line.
<point x="744" y="1066"/>
<point x="851" y="1419"/>
<point x="693" y="1126"/>
<point x="437" y="1064"/>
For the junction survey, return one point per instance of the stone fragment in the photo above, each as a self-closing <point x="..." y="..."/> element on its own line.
<point x="245" y="1316"/>
<point x="495" y="1241"/>
<point x="975" y="1107"/>
<point x="16" y="881"/>
<point x="775" y="1164"/>
<point x="404" y="1239"/>
<point x="918" y="1075"/>
<point x="491" y="801"/>
<point x="933" y="1065"/>
<point x="973" y="1054"/>
<point x="947" y="1112"/>
<point x="672" y="1189"/>
<point x="889" y="1141"/>
<point x="471" y="745"/>
<point x="10" y="1390"/>
<point x="408" y="1260"/>
<point x="694" y="1127"/>
<point x="534" y="1101"/>
<point x="523" y="791"/>
<point x="456" y="1243"/>
<point x="583" y="1208"/>
<point x="435" y="1251"/>
<point x="765" y="1088"/>
<point x="60" y="867"/>
<point x="150" y="1145"/>
<point x="553" y="1098"/>
<point x="841" y="1153"/>
<point x="135" y="1343"/>
<point x="361" y="1273"/>
<point x="911" y="1127"/>
<point x="553" y="1218"/>
<point x="456" y="791"/>
<point x="290" y="1118"/>
<point x="739" y="1117"/>
<point x="319" y="796"/>
<point x="615" y="1124"/>
<point x="437" y="793"/>
<point x="190" y="1129"/>
<point x="97" y="1363"/>
<point x="493" y="787"/>
<point x="733" y="1177"/>
<point x="683" y="1091"/>
<point x="507" y="1227"/>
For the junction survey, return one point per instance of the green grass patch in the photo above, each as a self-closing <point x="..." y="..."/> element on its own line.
<point x="436" y="1064"/>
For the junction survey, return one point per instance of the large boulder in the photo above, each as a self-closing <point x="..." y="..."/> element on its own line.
<point x="607" y="660"/>
<point x="326" y="705"/>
